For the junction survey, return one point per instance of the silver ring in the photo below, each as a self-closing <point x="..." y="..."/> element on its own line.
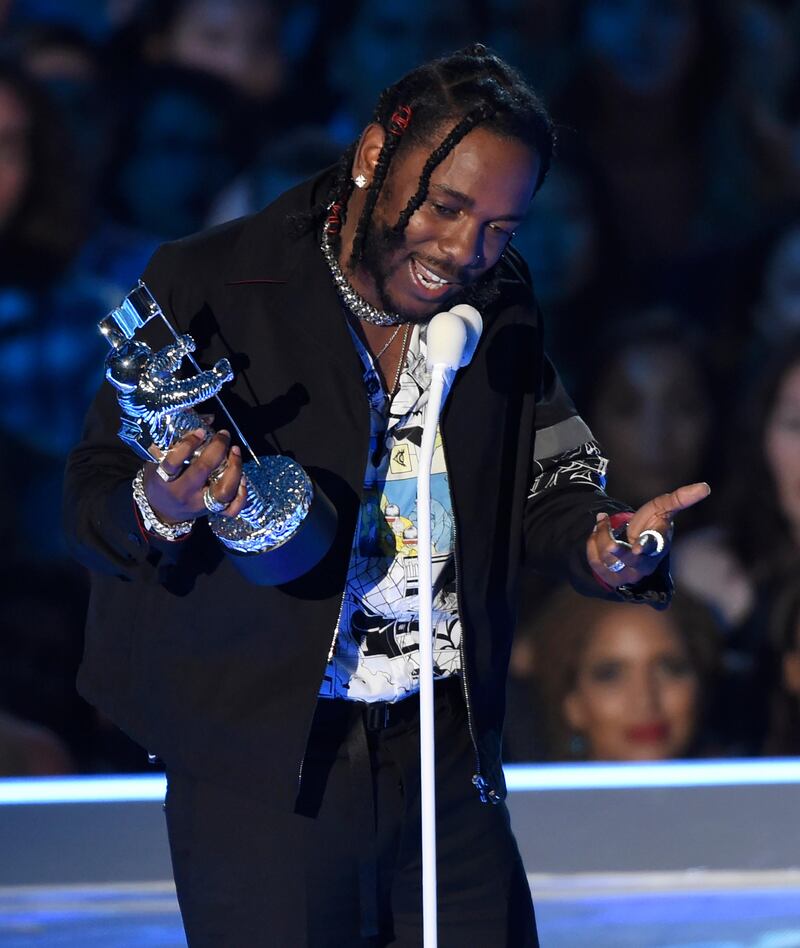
<point x="217" y="473"/>
<point x="164" y="474"/>
<point x="211" y="504"/>
<point x="616" y="566"/>
<point x="659" y="541"/>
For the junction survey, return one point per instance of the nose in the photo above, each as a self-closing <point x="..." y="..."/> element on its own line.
<point x="644" y="695"/>
<point x="462" y="245"/>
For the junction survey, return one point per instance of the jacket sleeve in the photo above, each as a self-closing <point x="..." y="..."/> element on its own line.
<point x="100" y="519"/>
<point x="566" y="494"/>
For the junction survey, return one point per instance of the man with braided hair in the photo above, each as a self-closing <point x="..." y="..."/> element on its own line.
<point x="287" y="717"/>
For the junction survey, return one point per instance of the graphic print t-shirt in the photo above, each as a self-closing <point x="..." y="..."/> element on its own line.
<point x="375" y="656"/>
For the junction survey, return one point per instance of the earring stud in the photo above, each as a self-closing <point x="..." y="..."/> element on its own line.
<point x="360" y="181"/>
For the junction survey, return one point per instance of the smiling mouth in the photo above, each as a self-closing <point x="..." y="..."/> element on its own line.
<point x="427" y="278"/>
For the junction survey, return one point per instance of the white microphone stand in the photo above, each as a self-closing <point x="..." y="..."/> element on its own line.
<point x="451" y="340"/>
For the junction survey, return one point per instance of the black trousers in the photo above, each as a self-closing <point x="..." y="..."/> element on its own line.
<point x="344" y="869"/>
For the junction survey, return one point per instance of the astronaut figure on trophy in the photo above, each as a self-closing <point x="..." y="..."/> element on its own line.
<point x="286" y="524"/>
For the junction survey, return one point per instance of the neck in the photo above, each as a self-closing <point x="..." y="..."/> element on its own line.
<point x="359" y="278"/>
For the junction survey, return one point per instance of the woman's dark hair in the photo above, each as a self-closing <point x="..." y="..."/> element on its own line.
<point x="759" y="531"/>
<point x="470" y="87"/>
<point x="561" y="633"/>
<point x="47" y="228"/>
<point x="783" y="736"/>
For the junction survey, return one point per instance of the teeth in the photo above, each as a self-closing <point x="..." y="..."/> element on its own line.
<point x="428" y="279"/>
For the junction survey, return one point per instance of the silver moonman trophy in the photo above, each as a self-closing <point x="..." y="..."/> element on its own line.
<point x="286" y="525"/>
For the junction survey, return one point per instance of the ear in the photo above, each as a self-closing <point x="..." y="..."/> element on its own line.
<point x="368" y="150"/>
<point x="574" y="711"/>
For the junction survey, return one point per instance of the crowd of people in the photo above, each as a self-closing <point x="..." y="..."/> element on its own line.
<point x="665" y="253"/>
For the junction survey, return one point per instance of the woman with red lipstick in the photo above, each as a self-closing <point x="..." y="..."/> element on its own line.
<point x="619" y="683"/>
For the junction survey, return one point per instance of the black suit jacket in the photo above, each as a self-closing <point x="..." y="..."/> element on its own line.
<point x="218" y="677"/>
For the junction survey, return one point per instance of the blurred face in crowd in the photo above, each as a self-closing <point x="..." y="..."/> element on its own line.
<point x="387" y="39"/>
<point x="477" y="195"/>
<point x="179" y="164"/>
<point x="559" y="238"/>
<point x="636" y="692"/>
<point x="14" y="153"/>
<point x="782" y="447"/>
<point x="234" y="39"/>
<point x="651" y="416"/>
<point x="779" y="310"/>
<point x="647" y="46"/>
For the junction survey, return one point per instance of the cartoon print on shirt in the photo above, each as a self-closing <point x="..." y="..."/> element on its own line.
<point x="376" y="653"/>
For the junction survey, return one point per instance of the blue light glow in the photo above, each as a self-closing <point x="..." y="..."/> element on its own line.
<point x="521" y="778"/>
<point x="115" y="789"/>
<point x="672" y="773"/>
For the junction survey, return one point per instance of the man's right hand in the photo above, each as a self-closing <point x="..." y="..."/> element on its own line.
<point x="181" y="499"/>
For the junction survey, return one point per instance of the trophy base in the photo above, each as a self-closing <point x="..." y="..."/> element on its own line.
<point x="300" y="553"/>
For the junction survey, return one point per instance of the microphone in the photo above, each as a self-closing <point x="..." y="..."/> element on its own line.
<point x="452" y="337"/>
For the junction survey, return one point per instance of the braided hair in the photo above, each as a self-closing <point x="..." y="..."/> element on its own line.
<point x="472" y="87"/>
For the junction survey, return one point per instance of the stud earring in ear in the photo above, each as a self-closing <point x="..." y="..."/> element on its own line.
<point x="360" y="181"/>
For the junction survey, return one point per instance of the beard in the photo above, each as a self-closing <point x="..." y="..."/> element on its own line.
<point x="383" y="242"/>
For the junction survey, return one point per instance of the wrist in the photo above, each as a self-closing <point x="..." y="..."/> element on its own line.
<point x="152" y="521"/>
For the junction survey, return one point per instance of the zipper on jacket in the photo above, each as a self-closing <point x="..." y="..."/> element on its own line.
<point x="330" y="656"/>
<point x="486" y="792"/>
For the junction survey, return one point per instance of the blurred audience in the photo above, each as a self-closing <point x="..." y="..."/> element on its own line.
<point x="50" y="355"/>
<point x="664" y="249"/>
<point x="652" y="100"/>
<point x="68" y="65"/>
<point x="234" y="40"/>
<point x="374" y="43"/>
<point x="569" y="242"/>
<point x="183" y="138"/>
<point x="783" y="735"/>
<point x="647" y="397"/>
<point x="298" y="155"/>
<point x="612" y="681"/>
<point x="768" y="295"/>
<point x="737" y="565"/>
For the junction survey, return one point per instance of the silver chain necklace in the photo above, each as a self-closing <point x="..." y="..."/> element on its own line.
<point x="357" y="305"/>
<point x="388" y="342"/>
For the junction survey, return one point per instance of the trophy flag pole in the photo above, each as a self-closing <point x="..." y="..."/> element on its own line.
<point x="451" y="341"/>
<point x="191" y="359"/>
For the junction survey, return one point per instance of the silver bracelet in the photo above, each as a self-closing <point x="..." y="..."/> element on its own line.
<point x="150" y="519"/>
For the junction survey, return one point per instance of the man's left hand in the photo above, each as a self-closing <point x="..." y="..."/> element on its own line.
<point x="618" y="563"/>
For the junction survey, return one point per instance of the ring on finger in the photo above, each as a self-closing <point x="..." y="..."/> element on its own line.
<point x="217" y="473"/>
<point x="164" y="474"/>
<point x="211" y="504"/>
<point x="658" y="539"/>
<point x="615" y="567"/>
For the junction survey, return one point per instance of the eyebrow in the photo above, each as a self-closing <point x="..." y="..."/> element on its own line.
<point x="470" y="202"/>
